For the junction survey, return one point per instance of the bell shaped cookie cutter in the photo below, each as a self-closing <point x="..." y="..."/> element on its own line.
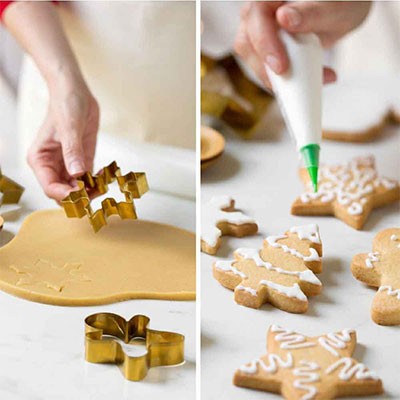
<point x="77" y="204"/>
<point x="162" y="348"/>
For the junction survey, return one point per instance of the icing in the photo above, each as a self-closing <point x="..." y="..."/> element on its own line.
<point x="272" y="241"/>
<point x="214" y="214"/>
<point x="273" y="361"/>
<point x="349" y="370"/>
<point x="290" y="291"/>
<point x="309" y="232"/>
<point x="247" y="289"/>
<point x="395" y="238"/>
<point x="290" y="339"/>
<point x="337" y="340"/>
<point x="253" y="254"/>
<point x="390" y="291"/>
<point x="228" y="266"/>
<point x="349" y="184"/>
<point x="307" y="376"/>
<point x="372" y="257"/>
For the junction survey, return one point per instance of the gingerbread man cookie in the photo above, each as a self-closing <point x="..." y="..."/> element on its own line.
<point x="220" y="218"/>
<point x="381" y="268"/>
<point x="309" y="368"/>
<point x="348" y="191"/>
<point x="281" y="273"/>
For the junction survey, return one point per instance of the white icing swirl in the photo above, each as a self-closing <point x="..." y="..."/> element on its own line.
<point x="355" y="208"/>
<point x="334" y="341"/>
<point x="293" y="291"/>
<point x="307" y="376"/>
<point x="350" y="369"/>
<point x="247" y="289"/>
<point x="227" y="266"/>
<point x="390" y="291"/>
<point x="289" y="339"/>
<point x="272" y="241"/>
<point x="270" y="366"/>
<point x="372" y="257"/>
<point x="309" y="232"/>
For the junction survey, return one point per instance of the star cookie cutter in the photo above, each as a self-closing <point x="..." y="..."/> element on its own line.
<point x="77" y="204"/>
<point x="162" y="348"/>
<point x="11" y="190"/>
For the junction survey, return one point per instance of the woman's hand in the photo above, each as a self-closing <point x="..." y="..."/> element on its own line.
<point x="258" y="43"/>
<point x="65" y="144"/>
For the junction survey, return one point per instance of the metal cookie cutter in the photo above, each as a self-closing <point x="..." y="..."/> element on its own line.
<point x="11" y="191"/>
<point x="77" y="204"/>
<point x="162" y="348"/>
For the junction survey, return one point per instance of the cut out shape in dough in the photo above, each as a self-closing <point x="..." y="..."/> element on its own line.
<point x="60" y="261"/>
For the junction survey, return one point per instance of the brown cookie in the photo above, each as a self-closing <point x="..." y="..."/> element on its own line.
<point x="348" y="191"/>
<point x="309" y="368"/>
<point x="219" y="219"/>
<point x="281" y="273"/>
<point x="381" y="268"/>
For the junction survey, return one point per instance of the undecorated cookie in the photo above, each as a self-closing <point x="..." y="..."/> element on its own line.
<point x="357" y="110"/>
<point x="220" y="218"/>
<point x="347" y="191"/>
<point x="381" y="268"/>
<point x="309" y="368"/>
<point x="281" y="273"/>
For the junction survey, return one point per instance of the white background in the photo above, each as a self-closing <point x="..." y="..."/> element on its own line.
<point x="262" y="176"/>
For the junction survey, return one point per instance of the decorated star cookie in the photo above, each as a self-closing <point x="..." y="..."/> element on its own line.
<point x="357" y="110"/>
<point x="347" y="191"/>
<point x="309" y="368"/>
<point x="220" y="218"/>
<point x="281" y="273"/>
<point x="381" y="268"/>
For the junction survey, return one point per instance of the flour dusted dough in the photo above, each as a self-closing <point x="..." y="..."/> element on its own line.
<point x="60" y="261"/>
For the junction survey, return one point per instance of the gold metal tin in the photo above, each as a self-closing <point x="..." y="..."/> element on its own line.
<point x="11" y="190"/>
<point x="227" y="109"/>
<point x="77" y="204"/>
<point x="163" y="348"/>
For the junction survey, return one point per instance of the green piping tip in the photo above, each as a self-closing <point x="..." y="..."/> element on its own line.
<point x="310" y="155"/>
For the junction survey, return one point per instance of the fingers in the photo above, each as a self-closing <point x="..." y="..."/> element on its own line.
<point x="329" y="75"/>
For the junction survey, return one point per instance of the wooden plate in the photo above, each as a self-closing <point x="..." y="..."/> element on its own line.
<point x="212" y="144"/>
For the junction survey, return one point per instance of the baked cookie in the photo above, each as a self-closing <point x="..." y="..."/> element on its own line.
<point x="358" y="110"/>
<point x="381" y="268"/>
<point x="309" y="368"/>
<point x="281" y="273"/>
<point x="220" y="218"/>
<point x="348" y="191"/>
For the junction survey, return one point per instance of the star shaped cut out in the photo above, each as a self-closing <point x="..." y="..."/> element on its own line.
<point x="45" y="273"/>
<point x="381" y="268"/>
<point x="221" y="218"/>
<point x="77" y="204"/>
<point x="348" y="191"/>
<point x="281" y="273"/>
<point x="309" y="368"/>
<point x="105" y="331"/>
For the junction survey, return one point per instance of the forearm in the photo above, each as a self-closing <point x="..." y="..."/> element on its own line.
<point x="38" y="29"/>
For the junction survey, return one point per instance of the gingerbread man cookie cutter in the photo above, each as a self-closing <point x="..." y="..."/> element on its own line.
<point x="77" y="204"/>
<point x="103" y="331"/>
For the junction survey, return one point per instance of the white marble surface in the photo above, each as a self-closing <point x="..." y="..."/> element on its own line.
<point x="41" y="346"/>
<point x="262" y="175"/>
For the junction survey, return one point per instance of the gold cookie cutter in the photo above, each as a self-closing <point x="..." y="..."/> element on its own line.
<point x="10" y="190"/>
<point x="242" y="119"/>
<point x="77" y="204"/>
<point x="162" y="348"/>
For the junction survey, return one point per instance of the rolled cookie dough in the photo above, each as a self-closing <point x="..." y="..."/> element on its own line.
<point x="60" y="261"/>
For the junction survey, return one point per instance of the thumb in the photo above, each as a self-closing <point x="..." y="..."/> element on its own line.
<point x="73" y="152"/>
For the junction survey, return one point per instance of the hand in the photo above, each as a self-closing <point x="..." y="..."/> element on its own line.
<point x="65" y="145"/>
<point x="258" y="43"/>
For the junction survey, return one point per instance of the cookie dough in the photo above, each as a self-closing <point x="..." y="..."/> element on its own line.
<point x="60" y="261"/>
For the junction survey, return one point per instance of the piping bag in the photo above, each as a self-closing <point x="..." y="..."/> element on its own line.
<point x="299" y="93"/>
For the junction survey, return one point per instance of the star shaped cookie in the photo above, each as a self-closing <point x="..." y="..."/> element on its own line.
<point x="220" y="218"/>
<point x="309" y="368"/>
<point x="348" y="191"/>
<point x="381" y="268"/>
<point x="281" y="273"/>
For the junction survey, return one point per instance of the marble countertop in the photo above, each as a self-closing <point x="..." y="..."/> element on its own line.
<point x="42" y="346"/>
<point x="261" y="174"/>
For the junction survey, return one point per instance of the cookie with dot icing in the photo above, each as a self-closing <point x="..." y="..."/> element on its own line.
<point x="281" y="273"/>
<point x="220" y="218"/>
<point x="347" y="191"/>
<point x="357" y="110"/>
<point x="381" y="268"/>
<point x="309" y="368"/>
